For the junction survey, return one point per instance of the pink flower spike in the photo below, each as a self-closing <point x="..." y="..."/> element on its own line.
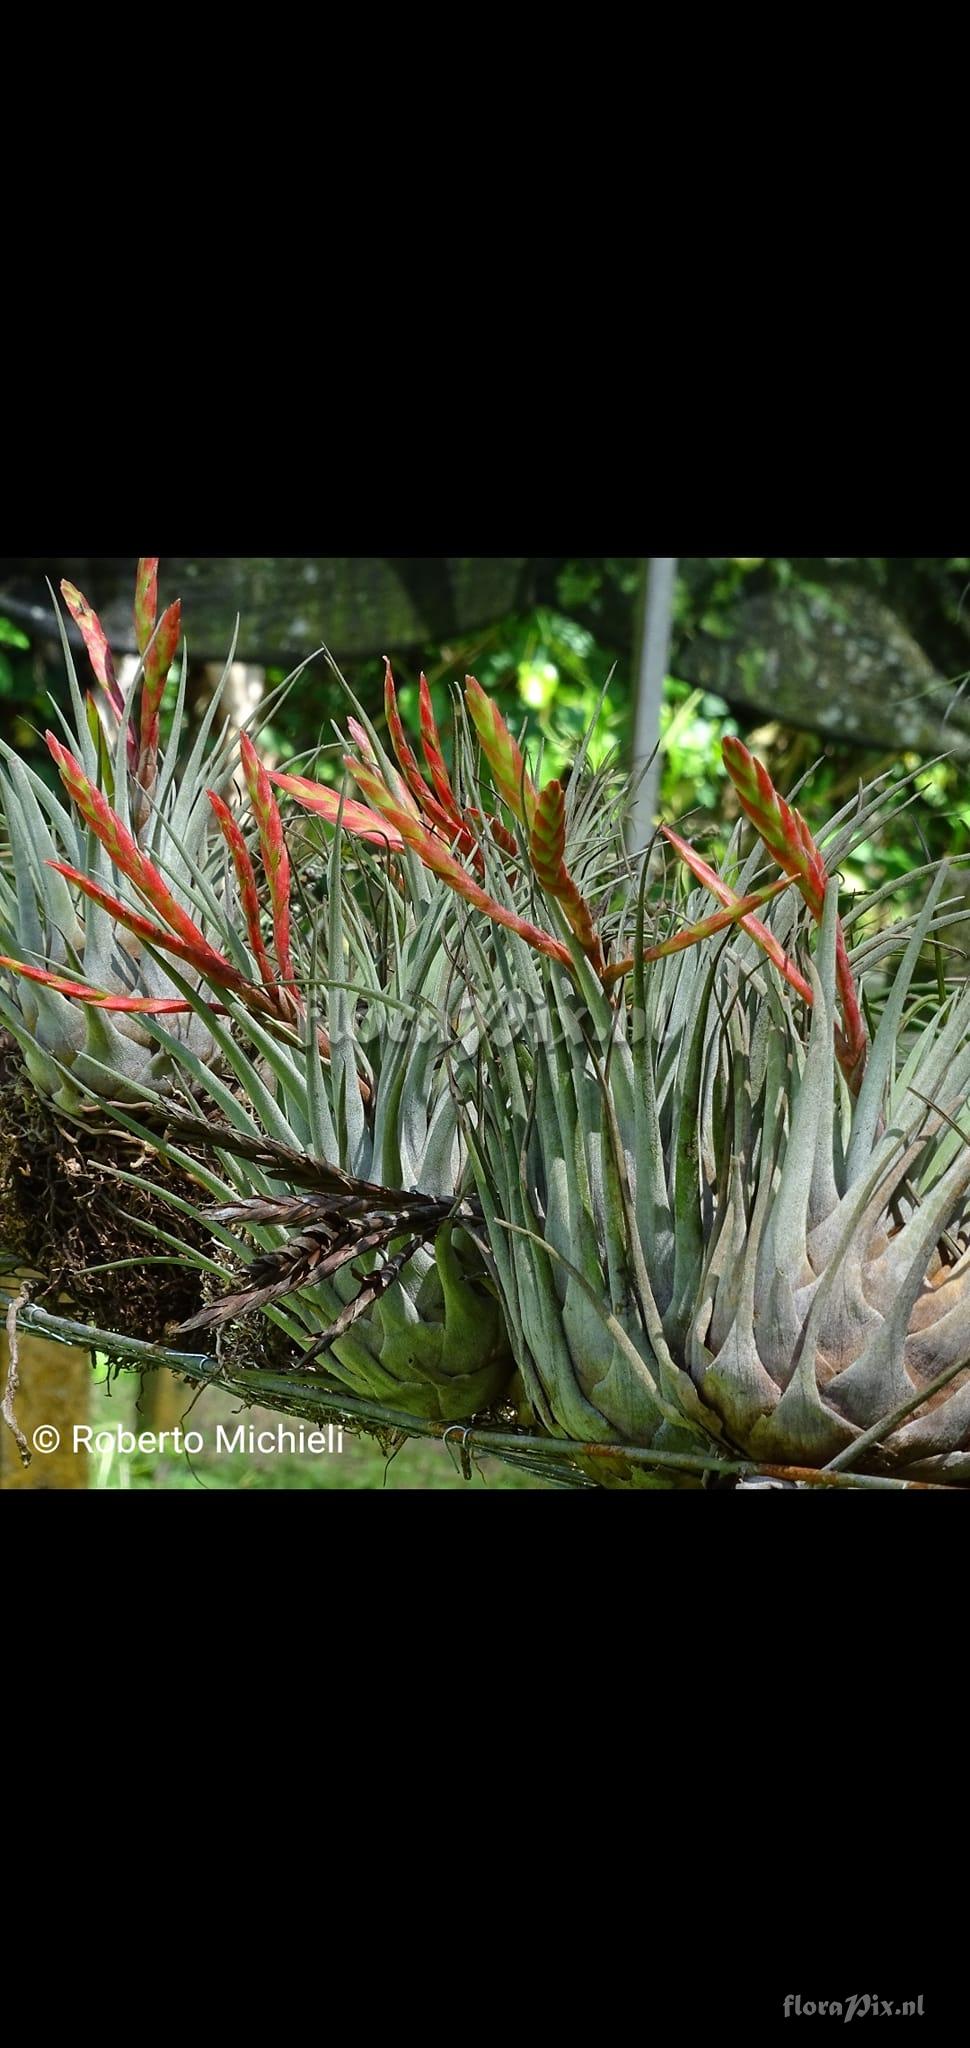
<point x="503" y="754"/>
<point x="246" y="878"/>
<point x="195" y="951"/>
<point x="417" y="788"/>
<point x="325" y="803"/>
<point x="144" y="1006"/>
<point x="783" y="830"/>
<point x="119" y="843"/>
<point x="438" y="858"/>
<point x="362" y="739"/>
<point x="414" y="794"/>
<point x="547" y="844"/>
<point x="95" y="640"/>
<point x="752" y="925"/>
<point x="789" y="841"/>
<point x="146" y="600"/>
<point x="276" y="859"/>
<point x="431" y="744"/>
<point x="706" y="929"/>
<point x="158" y="661"/>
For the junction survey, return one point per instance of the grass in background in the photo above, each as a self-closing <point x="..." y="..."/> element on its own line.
<point x="422" y="1465"/>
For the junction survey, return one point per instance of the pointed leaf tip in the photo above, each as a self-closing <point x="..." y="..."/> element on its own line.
<point x="146" y="600"/>
<point x="356" y="818"/>
<point x="95" y="640"/>
<point x="431" y="746"/>
<point x="276" y="859"/>
<point x="783" y="829"/>
<point x="502" y="752"/>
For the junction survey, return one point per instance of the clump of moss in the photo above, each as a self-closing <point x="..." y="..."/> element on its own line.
<point x="63" y="1211"/>
<point x="252" y="1343"/>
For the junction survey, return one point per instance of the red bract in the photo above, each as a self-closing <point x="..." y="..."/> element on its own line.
<point x="183" y="938"/>
<point x="316" y="797"/>
<point x="431" y="746"/>
<point x="436" y="809"/>
<point x="362" y="739"/>
<point x="418" y="788"/>
<point x="707" y="928"/>
<point x="433" y="824"/>
<point x="158" y="661"/>
<point x="158" y="653"/>
<point x="195" y="950"/>
<point x="440" y="812"/>
<point x="96" y="642"/>
<point x="442" y="863"/>
<point x="783" y="829"/>
<point x="246" y="878"/>
<point x="140" y="1006"/>
<point x="127" y="857"/>
<point x="276" y="859"/>
<point x="789" y="841"/>
<point x="146" y="600"/>
<point x="502" y="752"/>
<point x="547" y="845"/>
<point x="752" y="925"/>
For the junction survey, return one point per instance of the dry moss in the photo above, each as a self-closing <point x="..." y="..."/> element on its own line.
<point x="62" y="1211"/>
<point x="252" y="1343"/>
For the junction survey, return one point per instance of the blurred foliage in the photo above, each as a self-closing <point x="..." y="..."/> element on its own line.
<point x="570" y="663"/>
<point x="24" y="682"/>
<point x="551" y="667"/>
<point x="418" y="1465"/>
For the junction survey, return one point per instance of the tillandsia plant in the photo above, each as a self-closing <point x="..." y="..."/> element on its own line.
<point x="127" y="812"/>
<point x="298" y="1115"/>
<point x="514" y="1135"/>
<point x="338" y="1152"/>
<point x="131" y="826"/>
<point x="716" y="1214"/>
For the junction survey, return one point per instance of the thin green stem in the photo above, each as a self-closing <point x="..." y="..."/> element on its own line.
<point x="887" y="1423"/>
<point x="199" y="1366"/>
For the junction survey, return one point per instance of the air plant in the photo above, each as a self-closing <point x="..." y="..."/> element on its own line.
<point x="713" y="1209"/>
<point x="513" y="1130"/>
<point x="128" y="812"/>
<point x="337" y="1151"/>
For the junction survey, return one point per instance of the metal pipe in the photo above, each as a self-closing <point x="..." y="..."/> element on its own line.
<point x="654" y="655"/>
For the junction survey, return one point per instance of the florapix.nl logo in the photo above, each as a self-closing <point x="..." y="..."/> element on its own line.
<point x="858" y="2006"/>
